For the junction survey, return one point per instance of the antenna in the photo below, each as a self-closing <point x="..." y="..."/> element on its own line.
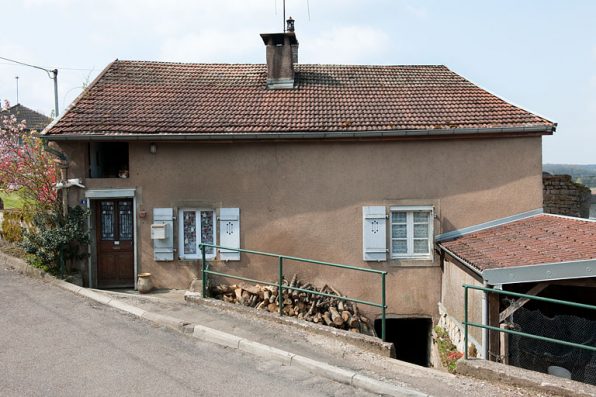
<point x="17" y="79"/>
<point x="284" y="21"/>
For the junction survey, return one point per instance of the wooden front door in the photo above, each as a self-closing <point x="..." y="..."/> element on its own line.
<point x="115" y="243"/>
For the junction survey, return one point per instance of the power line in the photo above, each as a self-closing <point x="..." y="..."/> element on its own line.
<point x="39" y="67"/>
<point x="52" y="74"/>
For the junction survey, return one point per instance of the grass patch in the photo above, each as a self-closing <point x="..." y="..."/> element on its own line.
<point x="11" y="200"/>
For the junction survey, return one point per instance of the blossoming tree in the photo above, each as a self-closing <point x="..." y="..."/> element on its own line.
<point x="25" y="167"/>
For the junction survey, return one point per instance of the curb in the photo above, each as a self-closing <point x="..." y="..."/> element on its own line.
<point x="224" y="339"/>
<point x="363" y="342"/>
<point x="519" y="377"/>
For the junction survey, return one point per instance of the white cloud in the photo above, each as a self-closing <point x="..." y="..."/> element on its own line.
<point x="348" y="45"/>
<point x="420" y="12"/>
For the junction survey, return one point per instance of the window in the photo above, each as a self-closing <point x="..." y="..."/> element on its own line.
<point x="411" y="232"/>
<point x="196" y="227"/>
<point x="108" y="160"/>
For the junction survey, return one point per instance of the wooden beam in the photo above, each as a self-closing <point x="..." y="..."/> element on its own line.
<point x="505" y="344"/>
<point x="494" y="337"/>
<point x="522" y="301"/>
<point x="577" y="282"/>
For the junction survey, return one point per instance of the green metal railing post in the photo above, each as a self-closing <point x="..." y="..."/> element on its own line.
<point x="384" y="307"/>
<point x="280" y="291"/>
<point x="204" y="272"/>
<point x="466" y="322"/>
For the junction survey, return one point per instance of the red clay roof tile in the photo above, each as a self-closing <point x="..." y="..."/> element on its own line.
<point x="537" y="240"/>
<point x="152" y="97"/>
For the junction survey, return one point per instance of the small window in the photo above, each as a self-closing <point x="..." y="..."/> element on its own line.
<point x="196" y="227"/>
<point x="411" y="232"/>
<point x="108" y="160"/>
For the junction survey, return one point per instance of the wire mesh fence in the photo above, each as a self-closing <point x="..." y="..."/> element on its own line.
<point x="538" y="355"/>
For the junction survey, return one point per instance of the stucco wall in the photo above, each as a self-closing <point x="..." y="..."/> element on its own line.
<point x="305" y="199"/>
<point x="452" y="298"/>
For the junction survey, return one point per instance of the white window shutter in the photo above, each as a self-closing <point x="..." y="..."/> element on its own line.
<point x="163" y="249"/>
<point x="229" y="233"/>
<point x="374" y="236"/>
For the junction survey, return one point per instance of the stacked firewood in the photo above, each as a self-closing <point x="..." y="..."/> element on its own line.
<point x="318" y="309"/>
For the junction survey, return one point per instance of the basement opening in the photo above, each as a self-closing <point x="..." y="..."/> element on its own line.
<point x="411" y="337"/>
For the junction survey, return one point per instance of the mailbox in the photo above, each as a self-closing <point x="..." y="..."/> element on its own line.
<point x="159" y="231"/>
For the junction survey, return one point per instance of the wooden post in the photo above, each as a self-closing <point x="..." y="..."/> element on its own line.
<point x="493" y="321"/>
<point x="504" y="352"/>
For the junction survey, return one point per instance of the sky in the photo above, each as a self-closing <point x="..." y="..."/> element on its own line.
<point x="537" y="54"/>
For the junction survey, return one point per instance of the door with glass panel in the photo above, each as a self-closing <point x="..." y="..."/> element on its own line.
<point x="115" y="243"/>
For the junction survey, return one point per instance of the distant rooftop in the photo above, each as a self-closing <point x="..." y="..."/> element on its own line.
<point x="33" y="120"/>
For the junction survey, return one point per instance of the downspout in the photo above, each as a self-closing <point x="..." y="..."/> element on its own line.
<point x="485" y="322"/>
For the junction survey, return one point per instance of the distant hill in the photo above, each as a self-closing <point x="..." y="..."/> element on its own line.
<point x="584" y="174"/>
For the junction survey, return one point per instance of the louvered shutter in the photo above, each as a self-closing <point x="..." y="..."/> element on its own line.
<point x="229" y="233"/>
<point x="374" y="236"/>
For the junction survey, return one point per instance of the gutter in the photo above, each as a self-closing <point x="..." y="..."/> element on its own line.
<point x="219" y="136"/>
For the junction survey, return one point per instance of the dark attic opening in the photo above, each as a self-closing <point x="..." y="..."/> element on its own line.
<point x="108" y="160"/>
<point x="411" y="337"/>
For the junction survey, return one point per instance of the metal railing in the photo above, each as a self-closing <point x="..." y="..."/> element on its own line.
<point x="281" y="287"/>
<point x="524" y="334"/>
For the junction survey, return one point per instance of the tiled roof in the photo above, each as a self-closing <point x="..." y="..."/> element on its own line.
<point x="542" y="239"/>
<point x="33" y="120"/>
<point x="161" y="98"/>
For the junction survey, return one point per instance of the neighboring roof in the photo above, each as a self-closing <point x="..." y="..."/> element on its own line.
<point x="138" y="98"/>
<point x="33" y="120"/>
<point x="566" y="245"/>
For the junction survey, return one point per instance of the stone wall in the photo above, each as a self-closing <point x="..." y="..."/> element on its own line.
<point x="457" y="334"/>
<point x="562" y="196"/>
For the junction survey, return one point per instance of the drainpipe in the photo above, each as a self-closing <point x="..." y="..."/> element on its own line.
<point x="485" y="322"/>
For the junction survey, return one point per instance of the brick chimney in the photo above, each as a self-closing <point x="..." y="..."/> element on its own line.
<point x="282" y="54"/>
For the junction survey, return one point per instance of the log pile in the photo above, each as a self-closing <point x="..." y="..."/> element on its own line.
<point x="318" y="309"/>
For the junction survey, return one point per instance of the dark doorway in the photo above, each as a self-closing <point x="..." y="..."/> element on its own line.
<point x="115" y="243"/>
<point x="410" y="336"/>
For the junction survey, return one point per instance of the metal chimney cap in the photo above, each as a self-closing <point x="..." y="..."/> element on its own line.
<point x="290" y="25"/>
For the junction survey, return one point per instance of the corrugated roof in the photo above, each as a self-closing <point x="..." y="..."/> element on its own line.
<point x="173" y="98"/>
<point x="541" y="239"/>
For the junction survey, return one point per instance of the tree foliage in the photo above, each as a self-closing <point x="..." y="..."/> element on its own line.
<point x="25" y="167"/>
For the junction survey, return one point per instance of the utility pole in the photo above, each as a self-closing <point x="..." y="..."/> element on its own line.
<point x="17" y="78"/>
<point x="52" y="74"/>
<point x="55" y="78"/>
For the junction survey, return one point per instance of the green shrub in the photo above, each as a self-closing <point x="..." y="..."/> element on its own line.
<point x="12" y="224"/>
<point x="53" y="235"/>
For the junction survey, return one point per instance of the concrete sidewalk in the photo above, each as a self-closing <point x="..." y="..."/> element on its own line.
<point x="330" y="353"/>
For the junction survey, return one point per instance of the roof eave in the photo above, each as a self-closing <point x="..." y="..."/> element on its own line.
<point x="540" y="130"/>
<point x="487" y="225"/>
<point x="541" y="272"/>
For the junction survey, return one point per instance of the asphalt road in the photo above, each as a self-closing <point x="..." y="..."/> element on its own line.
<point x="56" y="343"/>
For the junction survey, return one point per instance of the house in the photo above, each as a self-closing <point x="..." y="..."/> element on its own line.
<point x="34" y="120"/>
<point x="537" y="254"/>
<point x="358" y="165"/>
